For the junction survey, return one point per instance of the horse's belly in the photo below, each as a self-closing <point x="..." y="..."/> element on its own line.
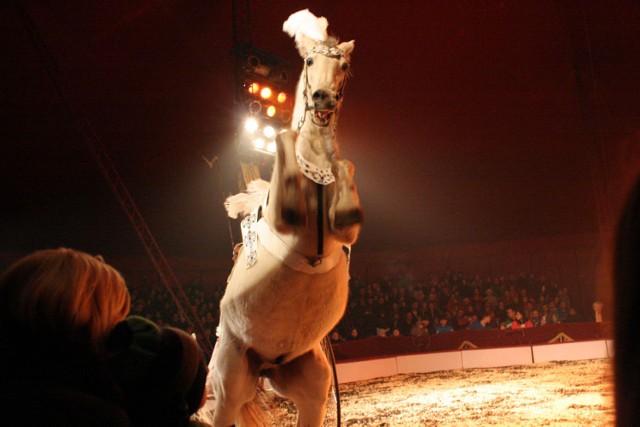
<point x="278" y="311"/>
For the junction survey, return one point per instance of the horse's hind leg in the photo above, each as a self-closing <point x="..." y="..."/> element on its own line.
<point x="234" y="383"/>
<point x="306" y="381"/>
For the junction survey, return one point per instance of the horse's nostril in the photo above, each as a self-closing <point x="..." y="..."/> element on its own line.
<point x="319" y="95"/>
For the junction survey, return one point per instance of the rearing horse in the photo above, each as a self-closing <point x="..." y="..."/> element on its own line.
<point x="289" y="286"/>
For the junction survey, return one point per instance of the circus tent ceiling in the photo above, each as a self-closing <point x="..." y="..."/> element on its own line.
<point x="468" y="121"/>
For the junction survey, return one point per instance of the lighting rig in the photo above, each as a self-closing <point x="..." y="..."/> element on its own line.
<point x="263" y="95"/>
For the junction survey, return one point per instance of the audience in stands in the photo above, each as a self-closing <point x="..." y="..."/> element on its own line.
<point x="402" y="306"/>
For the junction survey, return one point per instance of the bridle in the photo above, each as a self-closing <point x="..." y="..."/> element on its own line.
<point x="331" y="52"/>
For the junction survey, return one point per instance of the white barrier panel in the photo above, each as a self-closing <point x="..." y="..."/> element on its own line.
<point x="472" y="358"/>
<point x="366" y="369"/>
<point x="430" y="362"/>
<point x="570" y="351"/>
<point x="495" y="357"/>
<point x="611" y="348"/>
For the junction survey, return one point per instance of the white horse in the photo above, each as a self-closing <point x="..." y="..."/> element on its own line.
<point x="289" y="286"/>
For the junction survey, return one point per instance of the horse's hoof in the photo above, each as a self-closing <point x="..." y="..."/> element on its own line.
<point x="346" y="219"/>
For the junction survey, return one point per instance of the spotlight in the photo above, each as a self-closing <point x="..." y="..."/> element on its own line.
<point x="271" y="147"/>
<point x="251" y="125"/>
<point x="269" y="131"/>
<point x="253" y="88"/>
<point x="271" y="111"/>
<point x="282" y="97"/>
<point x="265" y="93"/>
<point x="259" y="143"/>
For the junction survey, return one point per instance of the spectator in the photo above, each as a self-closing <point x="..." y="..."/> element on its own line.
<point x="335" y="337"/>
<point x="405" y="327"/>
<point x="161" y="371"/>
<point x="443" y="327"/>
<point x="57" y="308"/>
<point x="354" y="334"/>
<point x="573" y="316"/>
<point x="484" y="323"/>
<point x="420" y="328"/>
<point x="535" y="318"/>
<point x="461" y="321"/>
<point x="522" y="322"/>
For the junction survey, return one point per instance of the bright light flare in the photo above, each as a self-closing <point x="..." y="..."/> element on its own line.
<point x="265" y="93"/>
<point x="269" y="131"/>
<point x="259" y="143"/>
<point x="251" y="125"/>
<point x="271" y="111"/>
<point x="271" y="147"/>
<point x="253" y="88"/>
<point x="282" y="97"/>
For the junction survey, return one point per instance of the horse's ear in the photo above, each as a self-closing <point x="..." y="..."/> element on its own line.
<point x="347" y="47"/>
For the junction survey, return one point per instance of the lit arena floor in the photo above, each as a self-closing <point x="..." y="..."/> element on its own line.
<point x="546" y="394"/>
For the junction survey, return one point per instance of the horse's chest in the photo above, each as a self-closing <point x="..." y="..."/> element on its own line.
<point x="278" y="310"/>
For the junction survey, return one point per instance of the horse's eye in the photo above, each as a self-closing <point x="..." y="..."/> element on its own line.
<point x="345" y="66"/>
<point x="309" y="62"/>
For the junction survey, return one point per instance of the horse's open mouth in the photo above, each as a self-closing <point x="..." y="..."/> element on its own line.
<point x="322" y="118"/>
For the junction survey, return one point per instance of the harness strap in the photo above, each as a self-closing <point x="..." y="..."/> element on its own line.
<point x="296" y="261"/>
<point x="319" y="220"/>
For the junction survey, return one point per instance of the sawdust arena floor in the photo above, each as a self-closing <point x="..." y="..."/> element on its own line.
<point x="576" y="393"/>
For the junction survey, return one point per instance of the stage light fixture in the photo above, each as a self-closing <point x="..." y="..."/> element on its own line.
<point x="259" y="143"/>
<point x="255" y="107"/>
<point x="251" y="125"/>
<point x="253" y="88"/>
<point x="269" y="131"/>
<point x="282" y="97"/>
<point x="266" y="92"/>
<point x="271" y="111"/>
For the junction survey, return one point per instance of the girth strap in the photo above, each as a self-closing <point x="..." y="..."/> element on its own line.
<point x="279" y="249"/>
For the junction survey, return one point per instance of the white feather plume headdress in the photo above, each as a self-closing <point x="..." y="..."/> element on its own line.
<point x="305" y="23"/>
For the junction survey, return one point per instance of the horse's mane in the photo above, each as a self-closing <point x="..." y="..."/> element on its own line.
<point x="245" y="203"/>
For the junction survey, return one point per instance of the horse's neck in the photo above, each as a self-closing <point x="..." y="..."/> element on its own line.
<point x="317" y="145"/>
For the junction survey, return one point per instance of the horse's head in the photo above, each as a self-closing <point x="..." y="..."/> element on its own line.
<point x="326" y="66"/>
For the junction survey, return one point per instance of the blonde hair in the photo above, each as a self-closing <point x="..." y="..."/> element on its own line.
<point x="65" y="294"/>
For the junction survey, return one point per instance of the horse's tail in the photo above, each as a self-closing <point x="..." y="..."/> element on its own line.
<point x="245" y="203"/>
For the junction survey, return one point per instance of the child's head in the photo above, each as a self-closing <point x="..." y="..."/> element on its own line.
<point x="62" y="294"/>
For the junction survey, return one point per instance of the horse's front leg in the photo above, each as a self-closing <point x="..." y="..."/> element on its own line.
<point x="234" y="383"/>
<point x="306" y="381"/>
<point x="345" y="213"/>
<point x="289" y="196"/>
